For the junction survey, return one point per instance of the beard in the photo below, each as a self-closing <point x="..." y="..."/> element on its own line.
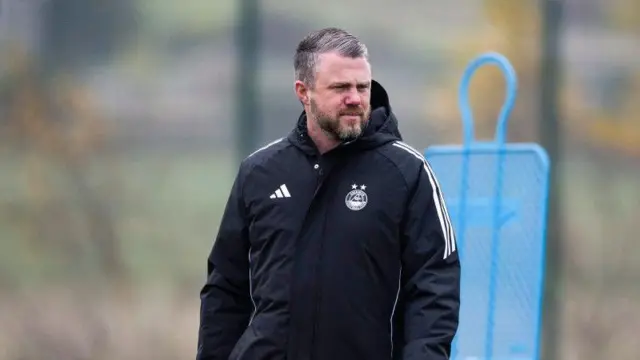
<point x="334" y="127"/>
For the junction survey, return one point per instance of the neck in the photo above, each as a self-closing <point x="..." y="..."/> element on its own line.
<point x="323" y="141"/>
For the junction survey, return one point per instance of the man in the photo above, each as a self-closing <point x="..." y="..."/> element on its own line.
<point x="335" y="243"/>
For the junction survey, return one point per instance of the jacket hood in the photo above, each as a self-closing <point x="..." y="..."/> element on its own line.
<point x="381" y="128"/>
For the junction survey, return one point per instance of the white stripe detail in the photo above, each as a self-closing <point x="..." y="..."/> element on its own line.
<point x="438" y="199"/>
<point x="265" y="147"/>
<point x="393" y="311"/>
<point x="255" y="308"/>
<point x="285" y="191"/>
<point x="279" y="194"/>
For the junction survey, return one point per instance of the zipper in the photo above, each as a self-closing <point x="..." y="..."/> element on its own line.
<point x="323" y="172"/>
<point x="317" y="272"/>
<point x="320" y="176"/>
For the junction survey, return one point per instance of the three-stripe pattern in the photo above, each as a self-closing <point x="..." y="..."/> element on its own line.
<point x="438" y="199"/>
<point x="282" y="192"/>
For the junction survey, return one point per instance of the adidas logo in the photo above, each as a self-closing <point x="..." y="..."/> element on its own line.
<point x="282" y="192"/>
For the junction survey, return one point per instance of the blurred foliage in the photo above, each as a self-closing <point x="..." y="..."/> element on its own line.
<point x="170" y="18"/>
<point x="77" y="33"/>
<point x="51" y="117"/>
<point x="623" y="15"/>
<point x="512" y="29"/>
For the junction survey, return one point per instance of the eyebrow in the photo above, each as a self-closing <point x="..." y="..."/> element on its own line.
<point x="348" y="84"/>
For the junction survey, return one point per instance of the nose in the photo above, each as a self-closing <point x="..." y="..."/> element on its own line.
<point x="353" y="98"/>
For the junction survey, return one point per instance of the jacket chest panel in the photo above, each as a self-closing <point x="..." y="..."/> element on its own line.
<point x="366" y="207"/>
<point x="278" y="198"/>
<point x="361" y="199"/>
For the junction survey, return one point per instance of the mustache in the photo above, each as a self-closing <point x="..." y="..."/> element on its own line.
<point x="353" y="112"/>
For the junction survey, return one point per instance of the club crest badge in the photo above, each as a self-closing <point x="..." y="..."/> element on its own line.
<point x="356" y="199"/>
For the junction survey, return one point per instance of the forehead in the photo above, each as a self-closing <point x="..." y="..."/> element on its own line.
<point x="332" y="67"/>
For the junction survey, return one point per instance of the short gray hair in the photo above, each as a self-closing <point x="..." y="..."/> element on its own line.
<point x="324" y="41"/>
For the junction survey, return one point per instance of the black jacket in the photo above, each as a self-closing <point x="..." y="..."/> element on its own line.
<point x="345" y="256"/>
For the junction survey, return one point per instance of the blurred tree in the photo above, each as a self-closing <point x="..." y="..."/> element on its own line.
<point x="80" y="33"/>
<point x="623" y="14"/>
<point x="52" y="117"/>
<point x="603" y="112"/>
<point x="616" y="129"/>
<point x="512" y="29"/>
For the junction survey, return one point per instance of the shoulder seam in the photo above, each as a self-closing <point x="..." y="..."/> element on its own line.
<point x="265" y="147"/>
<point x="406" y="183"/>
<point x="248" y="166"/>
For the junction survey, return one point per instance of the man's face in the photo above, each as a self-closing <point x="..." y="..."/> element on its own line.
<point x="340" y="100"/>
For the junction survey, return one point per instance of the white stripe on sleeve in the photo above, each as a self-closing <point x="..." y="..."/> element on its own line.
<point x="438" y="199"/>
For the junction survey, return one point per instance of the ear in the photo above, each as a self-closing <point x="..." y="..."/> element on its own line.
<point x="302" y="92"/>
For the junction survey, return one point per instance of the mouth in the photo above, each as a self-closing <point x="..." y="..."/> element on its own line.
<point x="351" y="119"/>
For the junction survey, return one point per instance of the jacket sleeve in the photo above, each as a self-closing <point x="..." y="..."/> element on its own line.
<point x="226" y="304"/>
<point x="429" y="299"/>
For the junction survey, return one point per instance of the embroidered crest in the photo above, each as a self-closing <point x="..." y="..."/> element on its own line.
<point x="356" y="199"/>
